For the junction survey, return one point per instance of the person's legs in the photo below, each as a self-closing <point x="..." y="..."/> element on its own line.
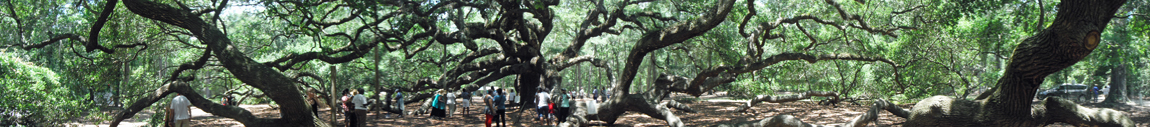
<point x="541" y="113"/>
<point x="434" y="112"/>
<point x="401" y="109"/>
<point x="502" y="117"/>
<point x="451" y="110"/>
<point x="466" y="107"/>
<point x="561" y="115"/>
<point x="361" y="117"/>
<point x="488" y="121"/>
<point x="442" y="113"/>
<point x="184" y="123"/>
<point x="349" y="117"/>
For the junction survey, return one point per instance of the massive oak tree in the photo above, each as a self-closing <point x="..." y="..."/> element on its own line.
<point x="506" y="38"/>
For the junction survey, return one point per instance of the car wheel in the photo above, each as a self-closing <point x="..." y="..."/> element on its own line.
<point x="1082" y="99"/>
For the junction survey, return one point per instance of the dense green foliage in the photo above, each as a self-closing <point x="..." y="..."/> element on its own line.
<point x="33" y="95"/>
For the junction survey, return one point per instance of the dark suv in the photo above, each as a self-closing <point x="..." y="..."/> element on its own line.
<point x="1076" y="92"/>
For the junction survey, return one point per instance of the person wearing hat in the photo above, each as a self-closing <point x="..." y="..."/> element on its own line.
<point x="399" y="101"/>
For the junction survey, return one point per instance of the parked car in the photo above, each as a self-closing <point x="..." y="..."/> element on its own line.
<point x="1076" y="92"/>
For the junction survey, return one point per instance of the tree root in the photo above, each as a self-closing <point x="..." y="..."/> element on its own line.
<point x="786" y="98"/>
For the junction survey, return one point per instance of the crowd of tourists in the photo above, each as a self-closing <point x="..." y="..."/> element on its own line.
<point x="354" y="105"/>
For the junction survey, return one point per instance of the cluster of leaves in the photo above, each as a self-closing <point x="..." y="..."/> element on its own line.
<point x="33" y="95"/>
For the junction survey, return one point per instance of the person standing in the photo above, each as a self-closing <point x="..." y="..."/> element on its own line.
<point x="501" y="108"/>
<point x="606" y="93"/>
<point x="582" y="93"/>
<point x="360" y="107"/>
<point x="181" y="108"/>
<point x="450" y="104"/>
<point x="564" y="105"/>
<point x="437" y="105"/>
<point x="399" y="100"/>
<point x="511" y="97"/>
<point x="466" y="95"/>
<point x="1096" y="93"/>
<point x="311" y="98"/>
<point x="348" y="113"/>
<point x="514" y="100"/>
<point x="488" y="108"/>
<point x="541" y="105"/>
<point x="595" y="94"/>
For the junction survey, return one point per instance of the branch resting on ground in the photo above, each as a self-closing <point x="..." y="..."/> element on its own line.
<point x="786" y="98"/>
<point x="860" y="121"/>
<point x="239" y="114"/>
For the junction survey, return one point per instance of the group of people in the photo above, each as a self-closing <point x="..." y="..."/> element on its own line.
<point x="558" y="106"/>
<point x="494" y="105"/>
<point x="550" y="106"/>
<point x="355" y="105"/>
<point x="495" y="102"/>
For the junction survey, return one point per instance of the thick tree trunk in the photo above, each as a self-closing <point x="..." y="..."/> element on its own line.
<point x="1073" y="35"/>
<point x="276" y="85"/>
<point x="1117" y="84"/>
<point x="622" y="100"/>
<point x="526" y="88"/>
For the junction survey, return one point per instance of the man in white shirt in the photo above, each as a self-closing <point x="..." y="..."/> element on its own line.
<point x="541" y="105"/>
<point x="360" y="107"/>
<point x="450" y="104"/>
<point x="514" y="98"/>
<point x="180" y="107"/>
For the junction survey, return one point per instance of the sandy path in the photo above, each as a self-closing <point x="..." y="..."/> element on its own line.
<point x="713" y="110"/>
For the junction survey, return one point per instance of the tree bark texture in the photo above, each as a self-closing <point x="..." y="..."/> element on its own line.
<point x="786" y="98"/>
<point x="861" y="121"/>
<point x="239" y="114"/>
<point x="622" y="100"/>
<point x="276" y="85"/>
<point x="1117" y="93"/>
<point x="1074" y="34"/>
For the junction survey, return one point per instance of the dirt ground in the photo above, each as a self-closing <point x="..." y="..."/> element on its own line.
<point x="713" y="110"/>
